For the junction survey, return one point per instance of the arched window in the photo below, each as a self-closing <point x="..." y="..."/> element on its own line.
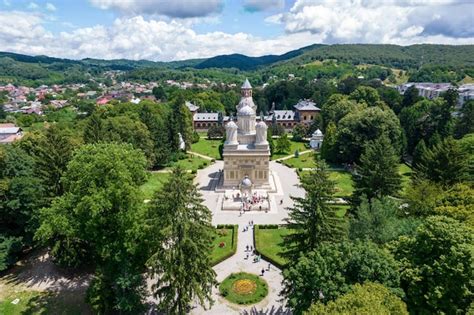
<point x="304" y="117"/>
<point x="198" y="125"/>
<point x="310" y="117"/>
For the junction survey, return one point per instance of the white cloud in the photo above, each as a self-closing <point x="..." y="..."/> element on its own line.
<point x="135" y="38"/>
<point x="372" y="21"/>
<point x="50" y="7"/>
<point x="32" y="6"/>
<point x="174" y="8"/>
<point x="263" y="5"/>
<point x="142" y="37"/>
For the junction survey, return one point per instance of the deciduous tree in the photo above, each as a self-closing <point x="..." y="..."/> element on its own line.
<point x="436" y="267"/>
<point x="367" y="298"/>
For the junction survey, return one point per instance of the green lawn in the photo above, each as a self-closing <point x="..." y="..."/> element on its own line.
<point x="406" y="172"/>
<point x="244" y="288"/>
<point x="303" y="161"/>
<point x="191" y="162"/>
<point x="207" y="147"/>
<point x="343" y="180"/>
<point x="228" y="236"/>
<point x="300" y="146"/>
<point x="269" y="242"/>
<point x="36" y="302"/>
<point x="344" y="183"/>
<point x="154" y="183"/>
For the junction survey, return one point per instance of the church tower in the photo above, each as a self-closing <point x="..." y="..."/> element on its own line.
<point x="246" y="151"/>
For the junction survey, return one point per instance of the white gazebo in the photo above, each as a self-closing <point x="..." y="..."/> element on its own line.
<point x="316" y="140"/>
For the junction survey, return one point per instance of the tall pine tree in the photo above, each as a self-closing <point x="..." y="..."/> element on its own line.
<point x="377" y="172"/>
<point x="445" y="163"/>
<point x="181" y="228"/>
<point x="313" y="217"/>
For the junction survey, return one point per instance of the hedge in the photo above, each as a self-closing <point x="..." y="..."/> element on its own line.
<point x="235" y="229"/>
<point x="265" y="257"/>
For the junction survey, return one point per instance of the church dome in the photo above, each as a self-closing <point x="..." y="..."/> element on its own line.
<point x="246" y="111"/>
<point x="246" y="182"/>
<point x="246" y="101"/>
<point x="231" y="124"/>
<point x="261" y="124"/>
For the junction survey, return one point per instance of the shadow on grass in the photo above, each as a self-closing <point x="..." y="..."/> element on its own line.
<point x="269" y="311"/>
<point x="60" y="303"/>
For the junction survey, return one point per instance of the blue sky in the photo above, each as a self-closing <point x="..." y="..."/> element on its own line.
<point x="174" y="29"/>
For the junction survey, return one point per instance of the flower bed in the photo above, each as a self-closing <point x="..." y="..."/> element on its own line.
<point x="244" y="288"/>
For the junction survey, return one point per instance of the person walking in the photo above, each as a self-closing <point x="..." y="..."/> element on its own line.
<point x="263" y="271"/>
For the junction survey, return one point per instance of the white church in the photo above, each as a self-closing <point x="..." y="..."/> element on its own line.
<point x="246" y="150"/>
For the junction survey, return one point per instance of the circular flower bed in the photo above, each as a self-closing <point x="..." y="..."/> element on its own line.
<point x="243" y="288"/>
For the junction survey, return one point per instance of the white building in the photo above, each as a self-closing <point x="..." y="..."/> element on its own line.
<point x="246" y="150"/>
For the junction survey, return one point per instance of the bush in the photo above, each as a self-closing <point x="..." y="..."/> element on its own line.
<point x="195" y="137"/>
<point x="10" y="248"/>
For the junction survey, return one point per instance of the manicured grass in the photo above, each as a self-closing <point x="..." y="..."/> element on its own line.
<point x="154" y="183"/>
<point x="269" y="243"/>
<point x="207" y="147"/>
<point x="36" y="302"/>
<point x="228" y="236"/>
<point x="300" y="146"/>
<point x="243" y="288"/>
<point x="406" y="172"/>
<point x="191" y="162"/>
<point x="303" y="161"/>
<point x="344" y="183"/>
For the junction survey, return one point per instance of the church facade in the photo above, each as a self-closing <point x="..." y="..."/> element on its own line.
<point x="246" y="150"/>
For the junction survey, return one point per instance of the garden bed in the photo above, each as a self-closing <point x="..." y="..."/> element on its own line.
<point x="243" y="288"/>
<point x="224" y="244"/>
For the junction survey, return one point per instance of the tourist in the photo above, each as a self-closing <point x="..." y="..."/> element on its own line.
<point x="247" y="248"/>
<point x="263" y="271"/>
<point x="269" y="265"/>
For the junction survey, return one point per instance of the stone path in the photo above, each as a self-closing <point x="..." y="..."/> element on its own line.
<point x="200" y="155"/>
<point x="272" y="304"/>
<point x="288" y="186"/>
<point x="292" y="155"/>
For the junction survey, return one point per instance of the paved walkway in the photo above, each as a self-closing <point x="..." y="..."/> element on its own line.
<point x="292" y="155"/>
<point x="200" y="155"/>
<point x="287" y="182"/>
<point x="272" y="304"/>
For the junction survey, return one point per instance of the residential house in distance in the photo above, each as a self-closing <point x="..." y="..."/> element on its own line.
<point x="9" y="133"/>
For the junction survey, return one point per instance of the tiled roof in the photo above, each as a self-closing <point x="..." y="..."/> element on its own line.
<point x="246" y="84"/>
<point x="306" y="105"/>
<point x="206" y="117"/>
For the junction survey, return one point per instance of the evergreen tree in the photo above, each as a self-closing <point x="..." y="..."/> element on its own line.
<point x="181" y="228"/>
<point x="329" y="144"/>
<point x="410" y="97"/>
<point x="465" y="121"/>
<point x="283" y="144"/>
<point x="377" y="173"/>
<point x="313" y="217"/>
<point x="52" y="153"/>
<point x="420" y="149"/>
<point x="3" y="114"/>
<point x="94" y="128"/>
<point x="445" y="163"/>
<point x="271" y="143"/>
<point x="181" y="123"/>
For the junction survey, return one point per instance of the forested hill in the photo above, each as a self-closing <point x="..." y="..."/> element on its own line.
<point x="436" y="63"/>
<point x="243" y="62"/>
<point x="403" y="57"/>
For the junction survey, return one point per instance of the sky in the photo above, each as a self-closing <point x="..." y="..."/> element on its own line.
<point x="165" y="30"/>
